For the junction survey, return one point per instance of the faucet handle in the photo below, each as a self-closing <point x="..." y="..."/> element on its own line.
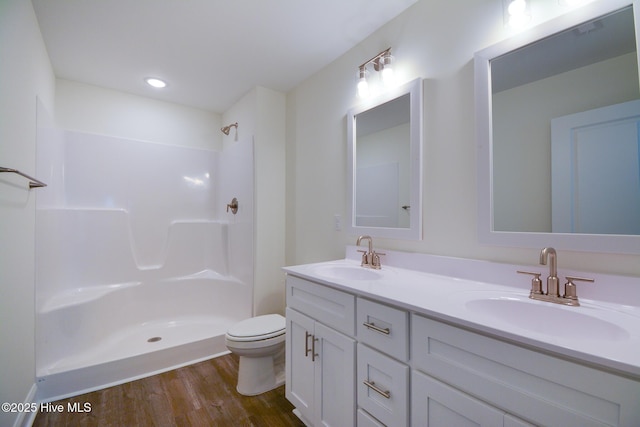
<point x="365" y="258"/>
<point x="536" y="283"/>
<point x="570" y="287"/>
<point x="375" y="261"/>
<point x="570" y="279"/>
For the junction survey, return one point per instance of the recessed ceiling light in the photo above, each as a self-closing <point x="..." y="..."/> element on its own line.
<point x="154" y="82"/>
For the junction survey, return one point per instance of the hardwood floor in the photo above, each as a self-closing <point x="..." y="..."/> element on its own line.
<point x="199" y="395"/>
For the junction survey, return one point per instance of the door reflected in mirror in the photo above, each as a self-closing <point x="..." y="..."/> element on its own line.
<point x="384" y="138"/>
<point x="382" y="165"/>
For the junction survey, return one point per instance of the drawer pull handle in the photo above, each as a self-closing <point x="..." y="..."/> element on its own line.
<point x="374" y="387"/>
<point x="385" y="331"/>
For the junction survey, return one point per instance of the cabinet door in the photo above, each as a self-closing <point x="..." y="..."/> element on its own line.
<point x="435" y="404"/>
<point x="334" y="378"/>
<point x="299" y="388"/>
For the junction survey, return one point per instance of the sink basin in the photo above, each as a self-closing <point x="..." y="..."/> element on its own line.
<point x="347" y="272"/>
<point x="548" y="318"/>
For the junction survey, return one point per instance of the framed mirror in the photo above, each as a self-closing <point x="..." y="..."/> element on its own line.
<point x="385" y="165"/>
<point x="558" y="133"/>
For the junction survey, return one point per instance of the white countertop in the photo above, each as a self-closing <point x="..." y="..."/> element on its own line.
<point x="602" y="333"/>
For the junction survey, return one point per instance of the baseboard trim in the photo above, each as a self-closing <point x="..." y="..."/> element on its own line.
<point x="26" y="419"/>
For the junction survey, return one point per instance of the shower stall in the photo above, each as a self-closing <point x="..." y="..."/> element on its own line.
<point x="140" y="267"/>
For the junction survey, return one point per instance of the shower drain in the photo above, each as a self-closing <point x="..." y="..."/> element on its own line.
<point x="154" y="339"/>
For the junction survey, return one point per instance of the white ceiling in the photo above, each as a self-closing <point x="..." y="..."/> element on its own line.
<point x="211" y="52"/>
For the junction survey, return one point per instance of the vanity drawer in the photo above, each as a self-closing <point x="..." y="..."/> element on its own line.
<point x="366" y="420"/>
<point x="435" y="404"/>
<point x="383" y="387"/>
<point x="334" y="308"/>
<point x="384" y="328"/>
<point x="544" y="389"/>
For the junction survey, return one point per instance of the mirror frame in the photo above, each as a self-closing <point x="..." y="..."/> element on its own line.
<point x="414" y="232"/>
<point x="482" y="64"/>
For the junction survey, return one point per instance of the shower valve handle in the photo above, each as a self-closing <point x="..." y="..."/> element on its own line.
<point x="233" y="205"/>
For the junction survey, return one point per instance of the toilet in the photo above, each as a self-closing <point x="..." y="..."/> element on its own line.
<point x="260" y="343"/>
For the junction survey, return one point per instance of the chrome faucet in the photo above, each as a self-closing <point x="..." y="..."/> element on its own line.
<point x="570" y="297"/>
<point x="370" y="258"/>
<point x="549" y="254"/>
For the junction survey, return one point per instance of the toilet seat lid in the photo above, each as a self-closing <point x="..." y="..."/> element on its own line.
<point x="258" y="328"/>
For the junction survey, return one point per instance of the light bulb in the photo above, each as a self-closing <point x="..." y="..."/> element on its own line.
<point x="387" y="76"/>
<point x="363" y="88"/>
<point x="518" y="15"/>
<point x="517" y="7"/>
<point x="387" y="70"/>
<point x="517" y="21"/>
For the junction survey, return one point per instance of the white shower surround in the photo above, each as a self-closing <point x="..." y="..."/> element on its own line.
<point x="134" y="244"/>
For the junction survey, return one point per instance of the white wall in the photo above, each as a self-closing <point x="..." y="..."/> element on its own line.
<point x="261" y="114"/>
<point x="93" y="109"/>
<point x="435" y="41"/>
<point x="26" y="74"/>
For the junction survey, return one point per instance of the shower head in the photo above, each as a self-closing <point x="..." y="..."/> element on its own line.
<point x="226" y="129"/>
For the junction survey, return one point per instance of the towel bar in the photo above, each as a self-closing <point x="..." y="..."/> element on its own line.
<point x="33" y="183"/>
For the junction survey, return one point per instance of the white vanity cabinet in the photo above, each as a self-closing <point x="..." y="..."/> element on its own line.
<point x="354" y="360"/>
<point x="466" y="371"/>
<point x="320" y="361"/>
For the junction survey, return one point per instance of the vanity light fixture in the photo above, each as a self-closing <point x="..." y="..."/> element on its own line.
<point x="382" y="62"/>
<point x="155" y="82"/>
<point x="518" y="13"/>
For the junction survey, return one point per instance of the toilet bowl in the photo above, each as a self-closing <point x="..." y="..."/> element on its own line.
<point x="260" y="343"/>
